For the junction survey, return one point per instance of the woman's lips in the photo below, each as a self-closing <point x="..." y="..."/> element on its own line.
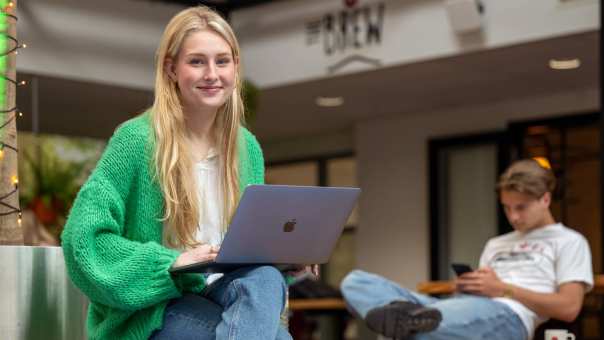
<point x="210" y="89"/>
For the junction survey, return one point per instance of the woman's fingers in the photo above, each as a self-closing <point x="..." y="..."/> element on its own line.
<point x="201" y="253"/>
<point x="202" y="257"/>
<point x="204" y="247"/>
<point x="208" y="257"/>
<point x="204" y="252"/>
<point x="315" y="270"/>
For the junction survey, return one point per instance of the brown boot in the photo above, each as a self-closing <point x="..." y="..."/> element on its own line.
<point x="400" y="319"/>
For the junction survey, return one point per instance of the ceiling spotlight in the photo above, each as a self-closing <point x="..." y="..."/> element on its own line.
<point x="564" y="64"/>
<point x="329" y="101"/>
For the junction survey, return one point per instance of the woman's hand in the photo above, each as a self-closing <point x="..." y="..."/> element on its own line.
<point x="313" y="269"/>
<point x="201" y="253"/>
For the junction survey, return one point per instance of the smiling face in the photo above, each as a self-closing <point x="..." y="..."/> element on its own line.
<point x="204" y="71"/>
<point x="525" y="212"/>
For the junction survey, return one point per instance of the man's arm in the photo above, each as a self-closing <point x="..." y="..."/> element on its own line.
<point x="565" y="304"/>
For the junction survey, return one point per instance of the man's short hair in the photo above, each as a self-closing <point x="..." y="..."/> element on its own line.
<point x="527" y="176"/>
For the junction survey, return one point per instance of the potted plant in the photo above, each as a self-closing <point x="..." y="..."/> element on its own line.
<point x="53" y="170"/>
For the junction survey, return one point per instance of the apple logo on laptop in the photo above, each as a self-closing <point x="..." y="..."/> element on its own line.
<point x="289" y="226"/>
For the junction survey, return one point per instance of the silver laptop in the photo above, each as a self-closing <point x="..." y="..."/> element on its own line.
<point x="282" y="225"/>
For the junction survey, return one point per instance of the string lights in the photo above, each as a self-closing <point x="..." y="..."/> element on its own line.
<point x="9" y="44"/>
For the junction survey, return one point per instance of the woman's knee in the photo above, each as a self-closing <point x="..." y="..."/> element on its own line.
<point x="264" y="284"/>
<point x="268" y="276"/>
<point x="269" y="272"/>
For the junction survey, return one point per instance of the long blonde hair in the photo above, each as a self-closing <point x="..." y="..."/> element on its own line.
<point x="172" y="159"/>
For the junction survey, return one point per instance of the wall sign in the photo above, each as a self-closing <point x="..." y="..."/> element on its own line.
<point x="351" y="28"/>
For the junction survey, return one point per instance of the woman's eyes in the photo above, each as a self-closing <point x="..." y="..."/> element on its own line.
<point x="219" y="62"/>
<point x="223" y="61"/>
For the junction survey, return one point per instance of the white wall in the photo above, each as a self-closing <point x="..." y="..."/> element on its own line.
<point x="275" y="51"/>
<point x="393" y="237"/>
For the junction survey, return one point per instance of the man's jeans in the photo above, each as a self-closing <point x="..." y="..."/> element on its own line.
<point x="243" y="304"/>
<point x="464" y="316"/>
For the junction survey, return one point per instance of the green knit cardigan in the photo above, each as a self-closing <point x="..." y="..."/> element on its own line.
<point x="112" y="240"/>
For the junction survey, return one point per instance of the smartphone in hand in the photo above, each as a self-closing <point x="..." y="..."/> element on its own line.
<point x="461" y="268"/>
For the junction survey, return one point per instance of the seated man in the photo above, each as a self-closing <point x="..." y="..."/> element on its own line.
<point x="541" y="270"/>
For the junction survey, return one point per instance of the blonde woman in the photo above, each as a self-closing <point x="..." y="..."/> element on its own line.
<point x="161" y="196"/>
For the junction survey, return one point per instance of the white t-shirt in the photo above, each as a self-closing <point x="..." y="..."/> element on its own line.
<point x="540" y="260"/>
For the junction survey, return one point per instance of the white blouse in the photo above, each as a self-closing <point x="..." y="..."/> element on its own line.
<point x="210" y="200"/>
<point x="210" y="204"/>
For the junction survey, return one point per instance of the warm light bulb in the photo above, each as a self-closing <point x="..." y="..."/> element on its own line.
<point x="1" y="153"/>
<point x="22" y="82"/>
<point x="11" y="4"/>
<point x="543" y="161"/>
<point x="20" y="114"/>
<point x="24" y="45"/>
<point x="15" y="180"/>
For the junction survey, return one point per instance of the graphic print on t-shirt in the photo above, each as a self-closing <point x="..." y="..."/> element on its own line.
<point x="527" y="257"/>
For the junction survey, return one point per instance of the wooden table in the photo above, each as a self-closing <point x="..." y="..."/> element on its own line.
<point x="317" y="304"/>
<point x="436" y="287"/>
<point x="428" y="287"/>
<point x="448" y="287"/>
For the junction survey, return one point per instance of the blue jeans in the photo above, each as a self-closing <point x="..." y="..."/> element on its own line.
<point x="244" y="304"/>
<point x="464" y="316"/>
